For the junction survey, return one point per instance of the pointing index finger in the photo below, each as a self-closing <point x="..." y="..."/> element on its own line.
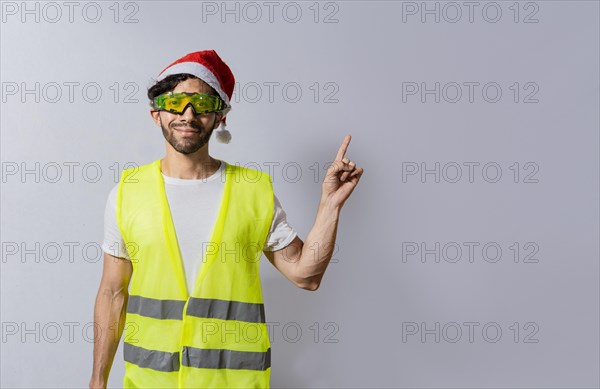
<point x="342" y="151"/>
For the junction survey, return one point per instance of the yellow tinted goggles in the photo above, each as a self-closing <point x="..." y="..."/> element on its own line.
<point x="177" y="102"/>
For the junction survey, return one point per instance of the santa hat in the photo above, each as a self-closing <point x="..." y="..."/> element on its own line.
<point x="210" y="68"/>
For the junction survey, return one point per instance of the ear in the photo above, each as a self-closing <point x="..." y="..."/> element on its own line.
<point x="218" y="118"/>
<point x="155" y="116"/>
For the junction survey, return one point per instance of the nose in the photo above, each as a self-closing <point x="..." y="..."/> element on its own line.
<point x="188" y="111"/>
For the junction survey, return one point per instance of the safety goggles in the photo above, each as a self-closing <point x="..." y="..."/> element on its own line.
<point x="177" y="102"/>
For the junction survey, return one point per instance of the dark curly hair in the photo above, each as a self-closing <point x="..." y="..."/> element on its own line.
<point x="169" y="83"/>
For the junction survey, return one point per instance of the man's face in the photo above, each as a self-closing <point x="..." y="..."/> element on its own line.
<point x="188" y="132"/>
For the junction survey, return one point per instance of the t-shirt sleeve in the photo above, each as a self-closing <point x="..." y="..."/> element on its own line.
<point x="113" y="243"/>
<point x="281" y="233"/>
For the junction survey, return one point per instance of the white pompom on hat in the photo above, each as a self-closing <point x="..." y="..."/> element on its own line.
<point x="210" y="68"/>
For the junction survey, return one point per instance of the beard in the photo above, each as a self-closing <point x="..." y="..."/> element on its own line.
<point x="190" y="144"/>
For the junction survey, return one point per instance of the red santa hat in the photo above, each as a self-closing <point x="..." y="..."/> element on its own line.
<point x="210" y="68"/>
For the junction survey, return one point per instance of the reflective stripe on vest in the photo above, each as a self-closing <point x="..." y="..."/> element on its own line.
<point x="195" y="357"/>
<point x="199" y="307"/>
<point x="217" y="335"/>
<point x="152" y="359"/>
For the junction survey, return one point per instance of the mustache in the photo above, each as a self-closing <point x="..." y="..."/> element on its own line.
<point x="194" y="125"/>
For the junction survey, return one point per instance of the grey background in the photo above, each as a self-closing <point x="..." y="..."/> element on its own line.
<point x="370" y="296"/>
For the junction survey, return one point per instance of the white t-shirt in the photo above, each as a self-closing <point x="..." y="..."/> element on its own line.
<point x="194" y="206"/>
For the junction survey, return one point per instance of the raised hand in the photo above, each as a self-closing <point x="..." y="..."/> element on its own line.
<point x="341" y="177"/>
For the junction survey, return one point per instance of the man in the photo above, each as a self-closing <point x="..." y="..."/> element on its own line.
<point x="183" y="239"/>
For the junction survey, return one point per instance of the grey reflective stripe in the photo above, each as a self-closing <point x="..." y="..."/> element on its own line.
<point x="226" y="310"/>
<point x="225" y="359"/>
<point x="153" y="359"/>
<point x="158" y="309"/>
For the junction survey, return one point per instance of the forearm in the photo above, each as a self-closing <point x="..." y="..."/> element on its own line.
<point x="318" y="246"/>
<point x="109" y="320"/>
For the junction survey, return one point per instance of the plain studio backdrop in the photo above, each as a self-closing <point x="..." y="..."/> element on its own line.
<point x="466" y="257"/>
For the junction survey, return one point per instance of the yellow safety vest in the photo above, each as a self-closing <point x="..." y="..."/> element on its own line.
<point x="217" y="336"/>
